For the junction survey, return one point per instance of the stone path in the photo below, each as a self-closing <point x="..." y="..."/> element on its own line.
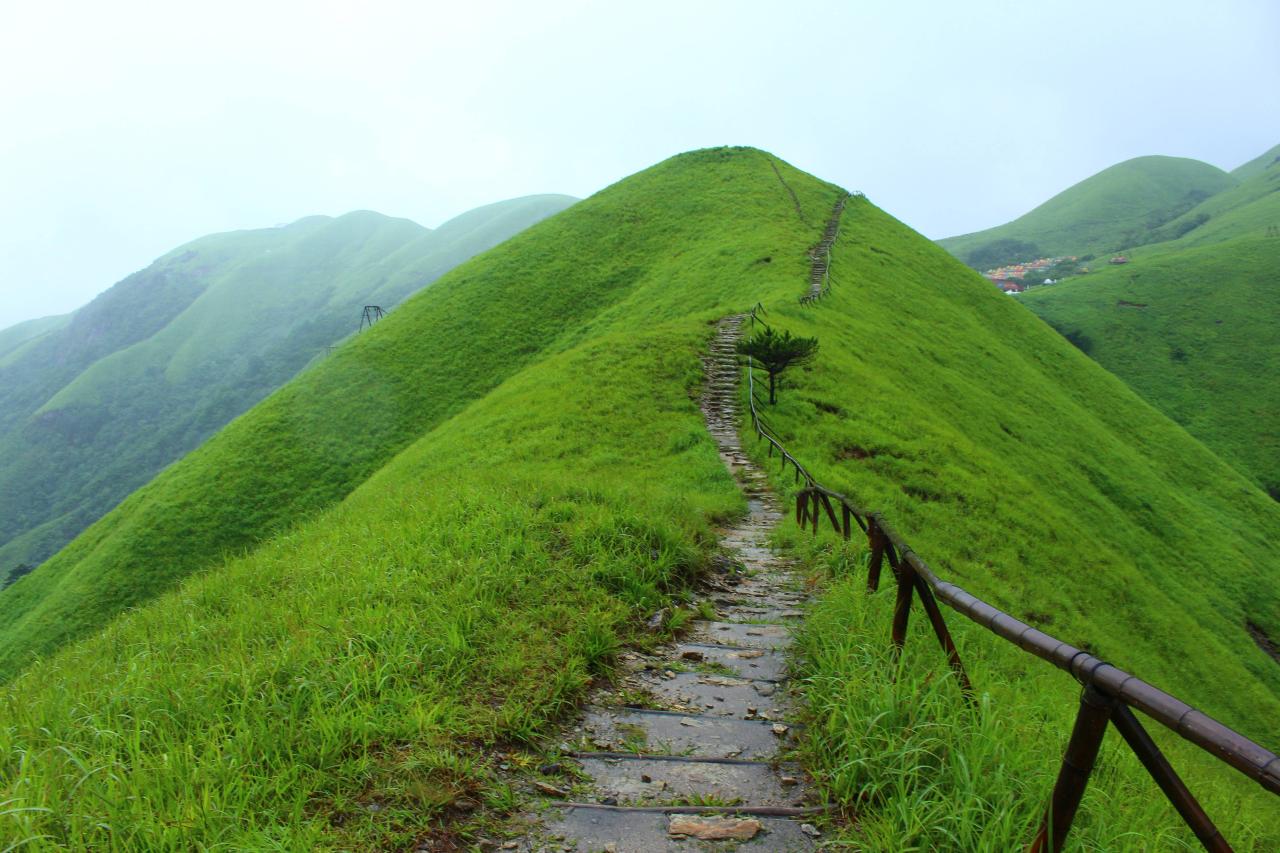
<point x="820" y="255"/>
<point x="689" y="751"/>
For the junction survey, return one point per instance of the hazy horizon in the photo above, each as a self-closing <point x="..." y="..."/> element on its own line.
<point x="138" y="128"/>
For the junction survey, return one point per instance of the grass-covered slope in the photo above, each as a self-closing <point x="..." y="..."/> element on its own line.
<point x="19" y="333"/>
<point x="1251" y="208"/>
<point x="1045" y="486"/>
<point x="477" y="500"/>
<point x="1194" y="332"/>
<point x="312" y="443"/>
<point x="96" y="407"/>
<point x="542" y="476"/>
<point x="1258" y="164"/>
<point x="1113" y="209"/>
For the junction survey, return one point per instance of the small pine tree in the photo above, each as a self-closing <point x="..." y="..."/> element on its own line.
<point x="776" y="352"/>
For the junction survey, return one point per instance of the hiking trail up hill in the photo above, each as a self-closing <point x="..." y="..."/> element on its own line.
<point x="703" y="756"/>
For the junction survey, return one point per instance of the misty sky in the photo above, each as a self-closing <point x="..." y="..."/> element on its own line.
<point x="129" y="128"/>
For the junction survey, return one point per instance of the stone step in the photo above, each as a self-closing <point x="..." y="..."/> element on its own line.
<point x="656" y="780"/>
<point x="755" y="613"/>
<point x="591" y="830"/>
<point x="714" y="695"/>
<point x="740" y="634"/>
<point x="665" y="732"/>
<point x="758" y="664"/>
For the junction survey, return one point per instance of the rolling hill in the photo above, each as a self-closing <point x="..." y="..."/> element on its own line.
<point x="1189" y="322"/>
<point x="1113" y="209"/>
<point x="1258" y="164"/>
<point x="409" y="562"/>
<point x="1250" y="207"/>
<point x="94" y="404"/>
<point x="18" y="334"/>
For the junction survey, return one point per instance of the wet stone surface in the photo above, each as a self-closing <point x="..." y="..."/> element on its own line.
<point x="688" y="751"/>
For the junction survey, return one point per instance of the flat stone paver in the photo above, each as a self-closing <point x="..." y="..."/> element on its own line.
<point x="645" y="781"/>
<point x="594" y="830"/>
<point x="674" y="733"/>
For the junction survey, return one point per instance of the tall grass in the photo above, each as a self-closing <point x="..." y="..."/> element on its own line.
<point x="452" y="525"/>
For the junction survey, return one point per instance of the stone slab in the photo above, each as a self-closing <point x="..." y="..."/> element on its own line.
<point x="740" y="634"/>
<point x="594" y="830"/>
<point x="683" y="734"/>
<point x="716" y="695"/>
<point x="760" y="664"/>
<point x="650" y="781"/>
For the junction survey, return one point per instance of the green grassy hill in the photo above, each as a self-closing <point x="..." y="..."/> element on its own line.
<point x="1252" y="207"/>
<point x="96" y="405"/>
<point x="1194" y="333"/>
<point x="18" y="334"/>
<point x="419" y="552"/>
<point x="1258" y="164"/>
<point x="1113" y="209"/>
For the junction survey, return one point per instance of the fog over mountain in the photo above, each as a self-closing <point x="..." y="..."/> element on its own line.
<point x="138" y="127"/>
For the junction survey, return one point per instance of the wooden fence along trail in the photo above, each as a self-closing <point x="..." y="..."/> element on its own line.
<point x="1109" y="694"/>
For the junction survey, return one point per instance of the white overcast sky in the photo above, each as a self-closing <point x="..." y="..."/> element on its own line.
<point x="128" y="128"/>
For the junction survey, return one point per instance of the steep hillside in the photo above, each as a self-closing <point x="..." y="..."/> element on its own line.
<point x="1252" y="207"/>
<point x="95" y="407"/>
<point x="1193" y="332"/>
<point x="467" y="531"/>
<point x="1258" y="164"/>
<point x="18" y="334"/>
<point x="1113" y="209"/>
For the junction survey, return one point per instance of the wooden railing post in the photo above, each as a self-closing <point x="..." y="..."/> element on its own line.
<point x="902" y="604"/>
<point x="930" y="605"/>
<point x="875" y="541"/>
<point x="1167" y="778"/>
<point x="1077" y="765"/>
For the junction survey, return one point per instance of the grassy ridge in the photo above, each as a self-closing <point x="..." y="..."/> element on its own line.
<point x="1247" y="209"/>
<point x="1113" y="209"/>
<point x="1049" y="489"/>
<point x="1258" y="164"/>
<point x="316" y="440"/>
<point x="1193" y="332"/>
<point x="462" y="595"/>
<point x="189" y="343"/>
<point x="19" y="333"/>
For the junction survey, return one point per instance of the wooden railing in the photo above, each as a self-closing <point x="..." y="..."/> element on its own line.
<point x="1109" y="694"/>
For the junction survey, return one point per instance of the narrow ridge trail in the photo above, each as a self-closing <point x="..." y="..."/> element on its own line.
<point x="820" y="255"/>
<point x="689" y="750"/>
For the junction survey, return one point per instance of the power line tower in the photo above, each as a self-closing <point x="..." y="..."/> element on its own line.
<point x="371" y="315"/>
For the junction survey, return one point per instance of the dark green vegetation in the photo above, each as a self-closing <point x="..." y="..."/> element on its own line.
<point x="460" y="538"/>
<point x="775" y="353"/>
<point x="1117" y="208"/>
<point x="94" y="404"/>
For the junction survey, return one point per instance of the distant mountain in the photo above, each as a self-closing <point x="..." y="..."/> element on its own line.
<point x="1252" y="206"/>
<point x="94" y="404"/>
<point x="1258" y="164"/>
<point x="1113" y="209"/>
<point x="15" y="336"/>
<point x="1195" y="333"/>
